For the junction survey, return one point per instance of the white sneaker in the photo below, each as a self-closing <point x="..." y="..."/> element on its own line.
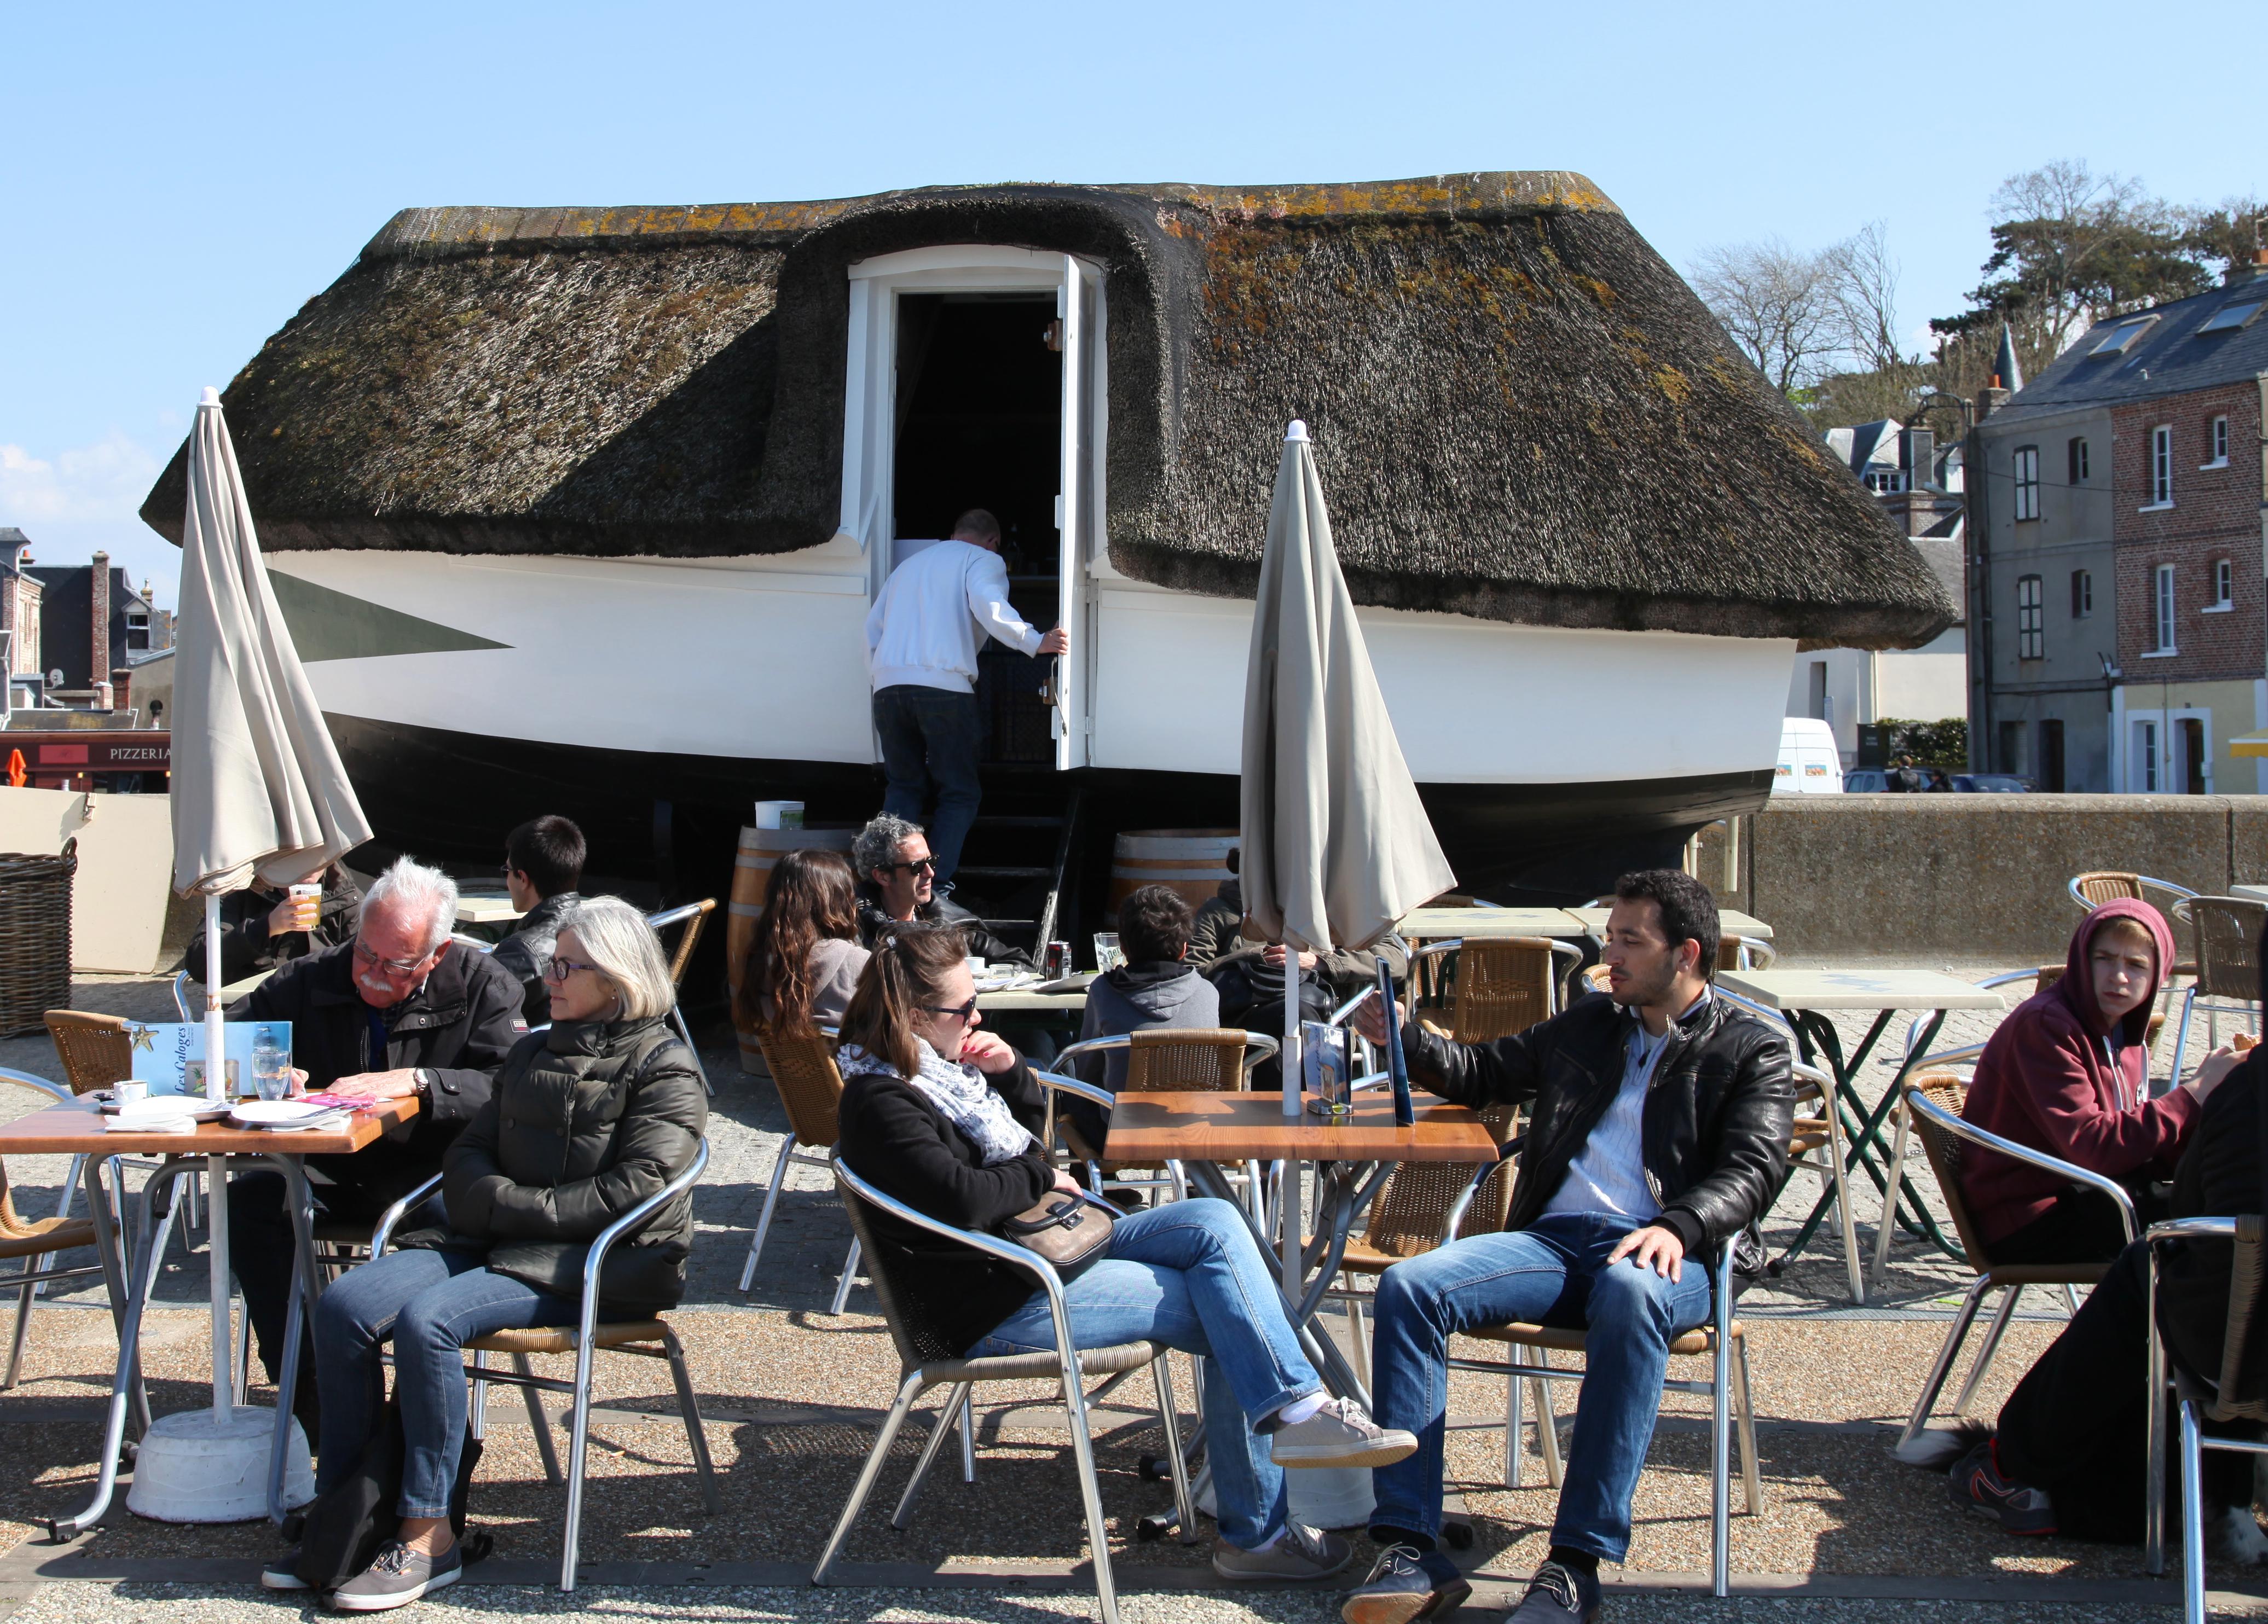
<point x="1340" y="1434"/>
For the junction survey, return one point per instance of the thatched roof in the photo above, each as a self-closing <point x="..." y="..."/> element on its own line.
<point x="1521" y="412"/>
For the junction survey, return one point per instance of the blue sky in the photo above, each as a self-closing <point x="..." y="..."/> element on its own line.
<point x="176" y="180"/>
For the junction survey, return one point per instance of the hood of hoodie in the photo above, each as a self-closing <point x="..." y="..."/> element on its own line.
<point x="2077" y="987"/>
<point x="1157" y="988"/>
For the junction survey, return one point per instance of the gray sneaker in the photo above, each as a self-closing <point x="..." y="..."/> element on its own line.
<point x="283" y="1574"/>
<point x="1340" y="1435"/>
<point x="1302" y="1553"/>
<point x="398" y="1576"/>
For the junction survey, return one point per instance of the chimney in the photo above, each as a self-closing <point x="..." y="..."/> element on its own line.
<point x="2238" y="271"/>
<point x="1990" y="401"/>
<point x="121" y="687"/>
<point x="97" y="599"/>
<point x="1917" y="452"/>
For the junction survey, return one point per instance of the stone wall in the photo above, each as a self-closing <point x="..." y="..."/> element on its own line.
<point x="1967" y="877"/>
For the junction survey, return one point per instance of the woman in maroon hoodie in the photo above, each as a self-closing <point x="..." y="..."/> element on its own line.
<point x="2068" y="1073"/>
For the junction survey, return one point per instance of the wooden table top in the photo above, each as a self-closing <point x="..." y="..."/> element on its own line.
<point x="1730" y="922"/>
<point x="1244" y="1127"/>
<point x="1018" y="999"/>
<point x="75" y="1128"/>
<point x="1859" y="990"/>
<point x="1486" y="924"/>
<point x="482" y="908"/>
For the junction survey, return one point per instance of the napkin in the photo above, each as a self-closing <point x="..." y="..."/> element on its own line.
<point x="152" y="1116"/>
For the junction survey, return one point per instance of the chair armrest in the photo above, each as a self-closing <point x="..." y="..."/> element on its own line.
<point x="181" y="997"/>
<point x="1092" y="1046"/>
<point x="2193" y="1229"/>
<point x="631" y="1220"/>
<point x="1921" y="1104"/>
<point x="1447" y="945"/>
<point x="55" y="1091"/>
<point x="472" y="941"/>
<point x="1340" y="1016"/>
<point x="1059" y="1084"/>
<point x="383" y="1235"/>
<point x="1005" y="1251"/>
<point x="1456" y="1216"/>
<point x="678" y="916"/>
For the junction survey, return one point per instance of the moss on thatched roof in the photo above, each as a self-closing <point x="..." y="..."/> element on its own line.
<point x="1521" y="412"/>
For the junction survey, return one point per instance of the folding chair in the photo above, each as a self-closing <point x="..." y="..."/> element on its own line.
<point x="35" y="1239"/>
<point x="1933" y="1102"/>
<point x="693" y="916"/>
<point x="925" y="1361"/>
<point x="2228" y="933"/>
<point x="648" y="1339"/>
<point x="811" y="1088"/>
<point x="2200" y="1396"/>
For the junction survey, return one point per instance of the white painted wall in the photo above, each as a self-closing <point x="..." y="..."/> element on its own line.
<point x="1928" y="684"/>
<point x="125" y="868"/>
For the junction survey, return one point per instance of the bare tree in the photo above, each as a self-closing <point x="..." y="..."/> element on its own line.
<point x="1865" y="279"/>
<point x="1778" y="306"/>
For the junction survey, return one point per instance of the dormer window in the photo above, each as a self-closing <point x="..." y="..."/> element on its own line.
<point x="1885" y="481"/>
<point x="2123" y="337"/>
<point x="137" y="630"/>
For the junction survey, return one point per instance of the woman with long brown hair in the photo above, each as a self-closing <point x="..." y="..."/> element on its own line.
<point x="946" y="1119"/>
<point x="806" y="957"/>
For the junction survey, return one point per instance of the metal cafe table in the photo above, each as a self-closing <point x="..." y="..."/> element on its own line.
<point x="75" y="1128"/>
<point x="1807" y="999"/>
<point x="1486" y="924"/>
<point x="1208" y="1132"/>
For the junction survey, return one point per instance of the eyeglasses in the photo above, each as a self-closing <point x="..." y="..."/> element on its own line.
<point x="559" y="969"/>
<point x="927" y="865"/>
<point x="399" y="966"/>
<point x="964" y="1010"/>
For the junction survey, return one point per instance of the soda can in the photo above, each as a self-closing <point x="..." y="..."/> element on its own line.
<point x="1058" y="961"/>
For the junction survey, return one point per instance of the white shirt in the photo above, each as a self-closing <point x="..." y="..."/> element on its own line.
<point x="1608" y="1176"/>
<point x="923" y="628"/>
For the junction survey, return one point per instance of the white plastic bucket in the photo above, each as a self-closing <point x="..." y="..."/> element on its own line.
<point x="1319" y="1497"/>
<point x="780" y="814"/>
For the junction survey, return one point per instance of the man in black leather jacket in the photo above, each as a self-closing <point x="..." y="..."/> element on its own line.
<point x="1657" y="1132"/>
<point x="897" y="886"/>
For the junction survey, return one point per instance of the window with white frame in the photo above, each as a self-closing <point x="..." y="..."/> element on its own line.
<point x="1885" y="481"/>
<point x="2161" y="465"/>
<point x="2075" y="459"/>
<point x="2083" y="594"/>
<point x="2162" y="608"/>
<point x="2031" y="616"/>
<point x="2224" y="583"/>
<point x="2216" y="443"/>
<point x="2144" y="774"/>
<point x="2028" y="482"/>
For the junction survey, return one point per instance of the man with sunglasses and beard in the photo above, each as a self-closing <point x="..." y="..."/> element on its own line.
<point x="399" y="1010"/>
<point x="897" y="884"/>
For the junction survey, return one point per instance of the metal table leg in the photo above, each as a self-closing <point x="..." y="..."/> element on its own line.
<point x="298" y="1201"/>
<point x="1817" y="1038"/>
<point x="127" y="1378"/>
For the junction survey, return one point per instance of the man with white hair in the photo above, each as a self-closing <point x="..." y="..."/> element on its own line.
<point x="397" y="1010"/>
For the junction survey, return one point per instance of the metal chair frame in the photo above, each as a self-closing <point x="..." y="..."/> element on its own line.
<point x="963" y="1375"/>
<point x="2009" y="1279"/>
<point x="789" y="1154"/>
<point x="588" y="1337"/>
<point x="1258" y="1046"/>
<point x="693" y="916"/>
<point x="28" y="1280"/>
<point x="2190" y="1393"/>
<point x="2141" y="882"/>
<point x="2217" y="1001"/>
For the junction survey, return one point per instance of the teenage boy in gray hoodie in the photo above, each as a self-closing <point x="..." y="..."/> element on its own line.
<point x="1155" y="987"/>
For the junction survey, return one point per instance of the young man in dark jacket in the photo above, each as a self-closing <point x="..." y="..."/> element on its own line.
<point x="543" y="867"/>
<point x="1658" y="1121"/>
<point x="398" y="1010"/>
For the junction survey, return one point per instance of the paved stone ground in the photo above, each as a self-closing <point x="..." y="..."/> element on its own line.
<point x="792" y="1392"/>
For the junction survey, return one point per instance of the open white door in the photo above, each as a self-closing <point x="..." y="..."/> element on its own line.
<point x="1077" y="508"/>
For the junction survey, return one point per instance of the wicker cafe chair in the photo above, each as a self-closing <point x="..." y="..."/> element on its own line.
<point x="1745" y="952"/>
<point x="693" y="916"/>
<point x="1933" y="1103"/>
<point x="810" y="1089"/>
<point x="2091" y="890"/>
<point x="1497" y="988"/>
<point x="1818" y="1147"/>
<point x="98" y="1051"/>
<point x="37" y="1240"/>
<point x="2227" y="934"/>
<point x="649" y="1339"/>
<point x="2199" y="1397"/>
<point x="925" y="1361"/>
<point x="1164" y="1060"/>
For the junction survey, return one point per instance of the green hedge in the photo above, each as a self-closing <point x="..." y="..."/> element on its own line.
<point x="1931" y="744"/>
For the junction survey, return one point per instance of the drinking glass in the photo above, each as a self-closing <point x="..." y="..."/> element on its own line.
<point x="1106" y="956"/>
<point x="271" y="1067"/>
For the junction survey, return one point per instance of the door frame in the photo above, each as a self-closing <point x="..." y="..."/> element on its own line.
<point x="870" y="415"/>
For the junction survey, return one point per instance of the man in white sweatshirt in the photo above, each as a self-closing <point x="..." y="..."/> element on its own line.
<point x="922" y="637"/>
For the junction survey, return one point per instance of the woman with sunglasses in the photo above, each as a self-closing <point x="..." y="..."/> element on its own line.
<point x="945" y="1117"/>
<point x="586" y="1120"/>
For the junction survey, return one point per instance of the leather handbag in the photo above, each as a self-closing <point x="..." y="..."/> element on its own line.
<point x="1072" y="1232"/>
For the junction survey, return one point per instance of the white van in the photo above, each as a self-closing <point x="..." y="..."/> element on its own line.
<point x="1808" y="761"/>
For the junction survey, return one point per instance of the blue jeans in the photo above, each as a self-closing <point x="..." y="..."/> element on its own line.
<point x="932" y="739"/>
<point x="1190" y="1275"/>
<point x="429" y="1303"/>
<point x="1553" y="1273"/>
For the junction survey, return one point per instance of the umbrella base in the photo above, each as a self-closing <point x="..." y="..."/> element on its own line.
<point x="191" y="1469"/>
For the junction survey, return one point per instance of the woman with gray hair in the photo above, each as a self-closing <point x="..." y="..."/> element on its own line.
<point x="585" y="1121"/>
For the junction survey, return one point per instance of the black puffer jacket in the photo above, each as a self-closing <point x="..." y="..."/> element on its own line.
<point x="586" y="1120"/>
<point x="1718" y="1110"/>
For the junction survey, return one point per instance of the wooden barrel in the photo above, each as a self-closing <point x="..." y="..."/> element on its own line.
<point x="1192" y="861"/>
<point x="752" y="877"/>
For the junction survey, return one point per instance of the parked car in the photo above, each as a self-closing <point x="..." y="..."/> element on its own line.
<point x="1882" y="780"/>
<point x="1808" y="761"/>
<point x="1992" y="783"/>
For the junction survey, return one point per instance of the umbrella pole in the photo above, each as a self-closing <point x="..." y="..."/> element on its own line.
<point x="1294" y="1079"/>
<point x="217" y="1172"/>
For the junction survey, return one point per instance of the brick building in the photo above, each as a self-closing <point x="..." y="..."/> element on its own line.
<point x="76" y="630"/>
<point x="2138" y="454"/>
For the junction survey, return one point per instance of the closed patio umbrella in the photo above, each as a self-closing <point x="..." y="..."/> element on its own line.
<point x="257" y="788"/>
<point x="1336" y="845"/>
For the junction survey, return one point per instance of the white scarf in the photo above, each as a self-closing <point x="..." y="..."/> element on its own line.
<point x="961" y="1094"/>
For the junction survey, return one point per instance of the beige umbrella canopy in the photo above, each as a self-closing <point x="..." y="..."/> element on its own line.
<point x="1336" y="845"/>
<point x="257" y="787"/>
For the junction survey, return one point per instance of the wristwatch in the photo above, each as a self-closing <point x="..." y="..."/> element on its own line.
<point x="423" y="1075"/>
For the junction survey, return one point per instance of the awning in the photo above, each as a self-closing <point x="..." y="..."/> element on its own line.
<point x="2250" y="744"/>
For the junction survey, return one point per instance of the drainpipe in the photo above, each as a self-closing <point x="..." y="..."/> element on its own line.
<point x="1977" y="530"/>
